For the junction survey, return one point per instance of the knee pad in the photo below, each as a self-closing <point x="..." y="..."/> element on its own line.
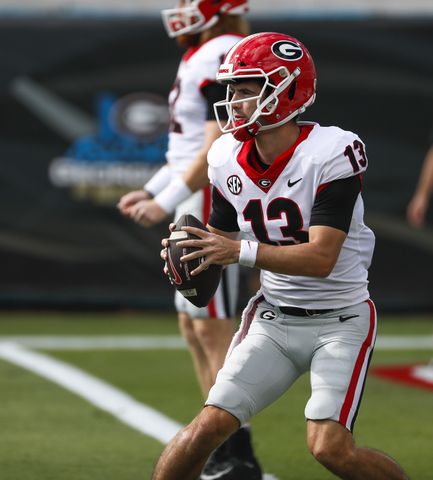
<point x="322" y="406"/>
<point x="230" y="397"/>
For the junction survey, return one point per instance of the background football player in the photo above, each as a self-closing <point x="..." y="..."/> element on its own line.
<point x="293" y="189"/>
<point x="208" y="29"/>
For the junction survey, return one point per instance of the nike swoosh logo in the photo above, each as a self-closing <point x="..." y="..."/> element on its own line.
<point x="67" y="120"/>
<point x="343" y="318"/>
<point x="214" y="476"/>
<point x="177" y="279"/>
<point x="290" y="184"/>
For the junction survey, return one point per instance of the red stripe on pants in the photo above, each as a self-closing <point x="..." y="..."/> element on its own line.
<point x="348" y="401"/>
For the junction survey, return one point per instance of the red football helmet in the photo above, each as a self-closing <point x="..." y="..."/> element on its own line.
<point x="194" y="16"/>
<point x="287" y="70"/>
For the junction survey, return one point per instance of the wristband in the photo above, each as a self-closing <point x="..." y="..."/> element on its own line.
<point x="173" y="194"/>
<point x="248" y="253"/>
<point x="159" y="181"/>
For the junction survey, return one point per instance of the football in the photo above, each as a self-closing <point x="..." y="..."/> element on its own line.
<point x="198" y="289"/>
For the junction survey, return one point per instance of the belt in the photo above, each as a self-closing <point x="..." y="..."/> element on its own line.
<point x="304" y="312"/>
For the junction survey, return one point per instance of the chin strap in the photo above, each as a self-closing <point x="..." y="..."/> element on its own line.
<point x="244" y="134"/>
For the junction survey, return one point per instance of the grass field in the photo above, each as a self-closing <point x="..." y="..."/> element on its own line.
<point x="49" y="433"/>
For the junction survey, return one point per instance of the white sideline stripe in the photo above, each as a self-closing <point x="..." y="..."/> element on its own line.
<point x="63" y="342"/>
<point x="401" y="342"/>
<point x="144" y="342"/>
<point x="104" y="396"/>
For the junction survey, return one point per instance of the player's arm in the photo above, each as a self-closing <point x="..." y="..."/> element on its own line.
<point x="418" y="205"/>
<point x="329" y="225"/>
<point x="316" y="258"/>
<point x="196" y="176"/>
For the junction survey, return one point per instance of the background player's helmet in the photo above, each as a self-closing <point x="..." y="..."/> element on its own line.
<point x="286" y="69"/>
<point x="194" y="16"/>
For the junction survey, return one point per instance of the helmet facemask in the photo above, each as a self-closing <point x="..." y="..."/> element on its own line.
<point x="184" y="20"/>
<point x="195" y="16"/>
<point x="267" y="102"/>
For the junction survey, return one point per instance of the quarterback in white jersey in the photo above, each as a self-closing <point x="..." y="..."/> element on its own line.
<point x="293" y="189"/>
<point x="278" y="205"/>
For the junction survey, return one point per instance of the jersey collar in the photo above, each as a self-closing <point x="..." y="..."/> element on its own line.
<point x="265" y="179"/>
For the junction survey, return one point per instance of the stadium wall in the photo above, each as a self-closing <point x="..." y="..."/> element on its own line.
<point x="84" y="120"/>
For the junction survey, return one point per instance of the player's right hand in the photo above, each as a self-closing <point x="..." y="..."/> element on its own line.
<point x="130" y="199"/>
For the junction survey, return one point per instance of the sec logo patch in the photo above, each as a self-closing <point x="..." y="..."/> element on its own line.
<point x="234" y="184"/>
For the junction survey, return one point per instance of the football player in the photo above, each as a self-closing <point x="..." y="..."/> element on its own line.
<point x="207" y="29"/>
<point x="293" y="189"/>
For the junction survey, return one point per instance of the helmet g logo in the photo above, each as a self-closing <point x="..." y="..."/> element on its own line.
<point x="287" y="50"/>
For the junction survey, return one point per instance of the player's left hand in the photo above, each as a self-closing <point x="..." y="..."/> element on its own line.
<point x="147" y="213"/>
<point x="216" y="249"/>
<point x="163" y="253"/>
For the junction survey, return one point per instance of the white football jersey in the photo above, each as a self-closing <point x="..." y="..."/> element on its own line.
<point x="188" y="107"/>
<point x="275" y="206"/>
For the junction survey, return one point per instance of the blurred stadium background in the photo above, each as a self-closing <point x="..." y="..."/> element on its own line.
<point x="83" y="89"/>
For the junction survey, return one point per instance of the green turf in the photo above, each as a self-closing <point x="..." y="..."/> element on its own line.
<point x="48" y="433"/>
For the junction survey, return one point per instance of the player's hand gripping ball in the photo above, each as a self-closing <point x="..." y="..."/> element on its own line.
<point x="198" y="289"/>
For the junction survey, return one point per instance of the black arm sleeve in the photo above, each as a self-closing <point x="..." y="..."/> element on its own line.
<point x="333" y="206"/>
<point x="223" y="215"/>
<point x="214" y="92"/>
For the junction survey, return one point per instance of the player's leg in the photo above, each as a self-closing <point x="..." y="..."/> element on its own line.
<point x="214" y="325"/>
<point x="333" y="446"/>
<point x="214" y="337"/>
<point x="255" y="374"/>
<point x="338" y="372"/>
<point x="184" y="457"/>
<point x="198" y="325"/>
<point x="211" y="329"/>
<point x="203" y="370"/>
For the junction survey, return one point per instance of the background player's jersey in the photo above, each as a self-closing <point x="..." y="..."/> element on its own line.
<point x="274" y="206"/>
<point x="188" y="107"/>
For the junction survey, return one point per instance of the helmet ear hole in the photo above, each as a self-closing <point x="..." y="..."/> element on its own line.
<point x="292" y="91"/>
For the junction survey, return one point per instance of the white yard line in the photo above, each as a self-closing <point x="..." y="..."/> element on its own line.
<point x="144" y="342"/>
<point x="99" y="393"/>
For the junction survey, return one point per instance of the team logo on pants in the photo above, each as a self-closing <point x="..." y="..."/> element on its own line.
<point x="268" y="315"/>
